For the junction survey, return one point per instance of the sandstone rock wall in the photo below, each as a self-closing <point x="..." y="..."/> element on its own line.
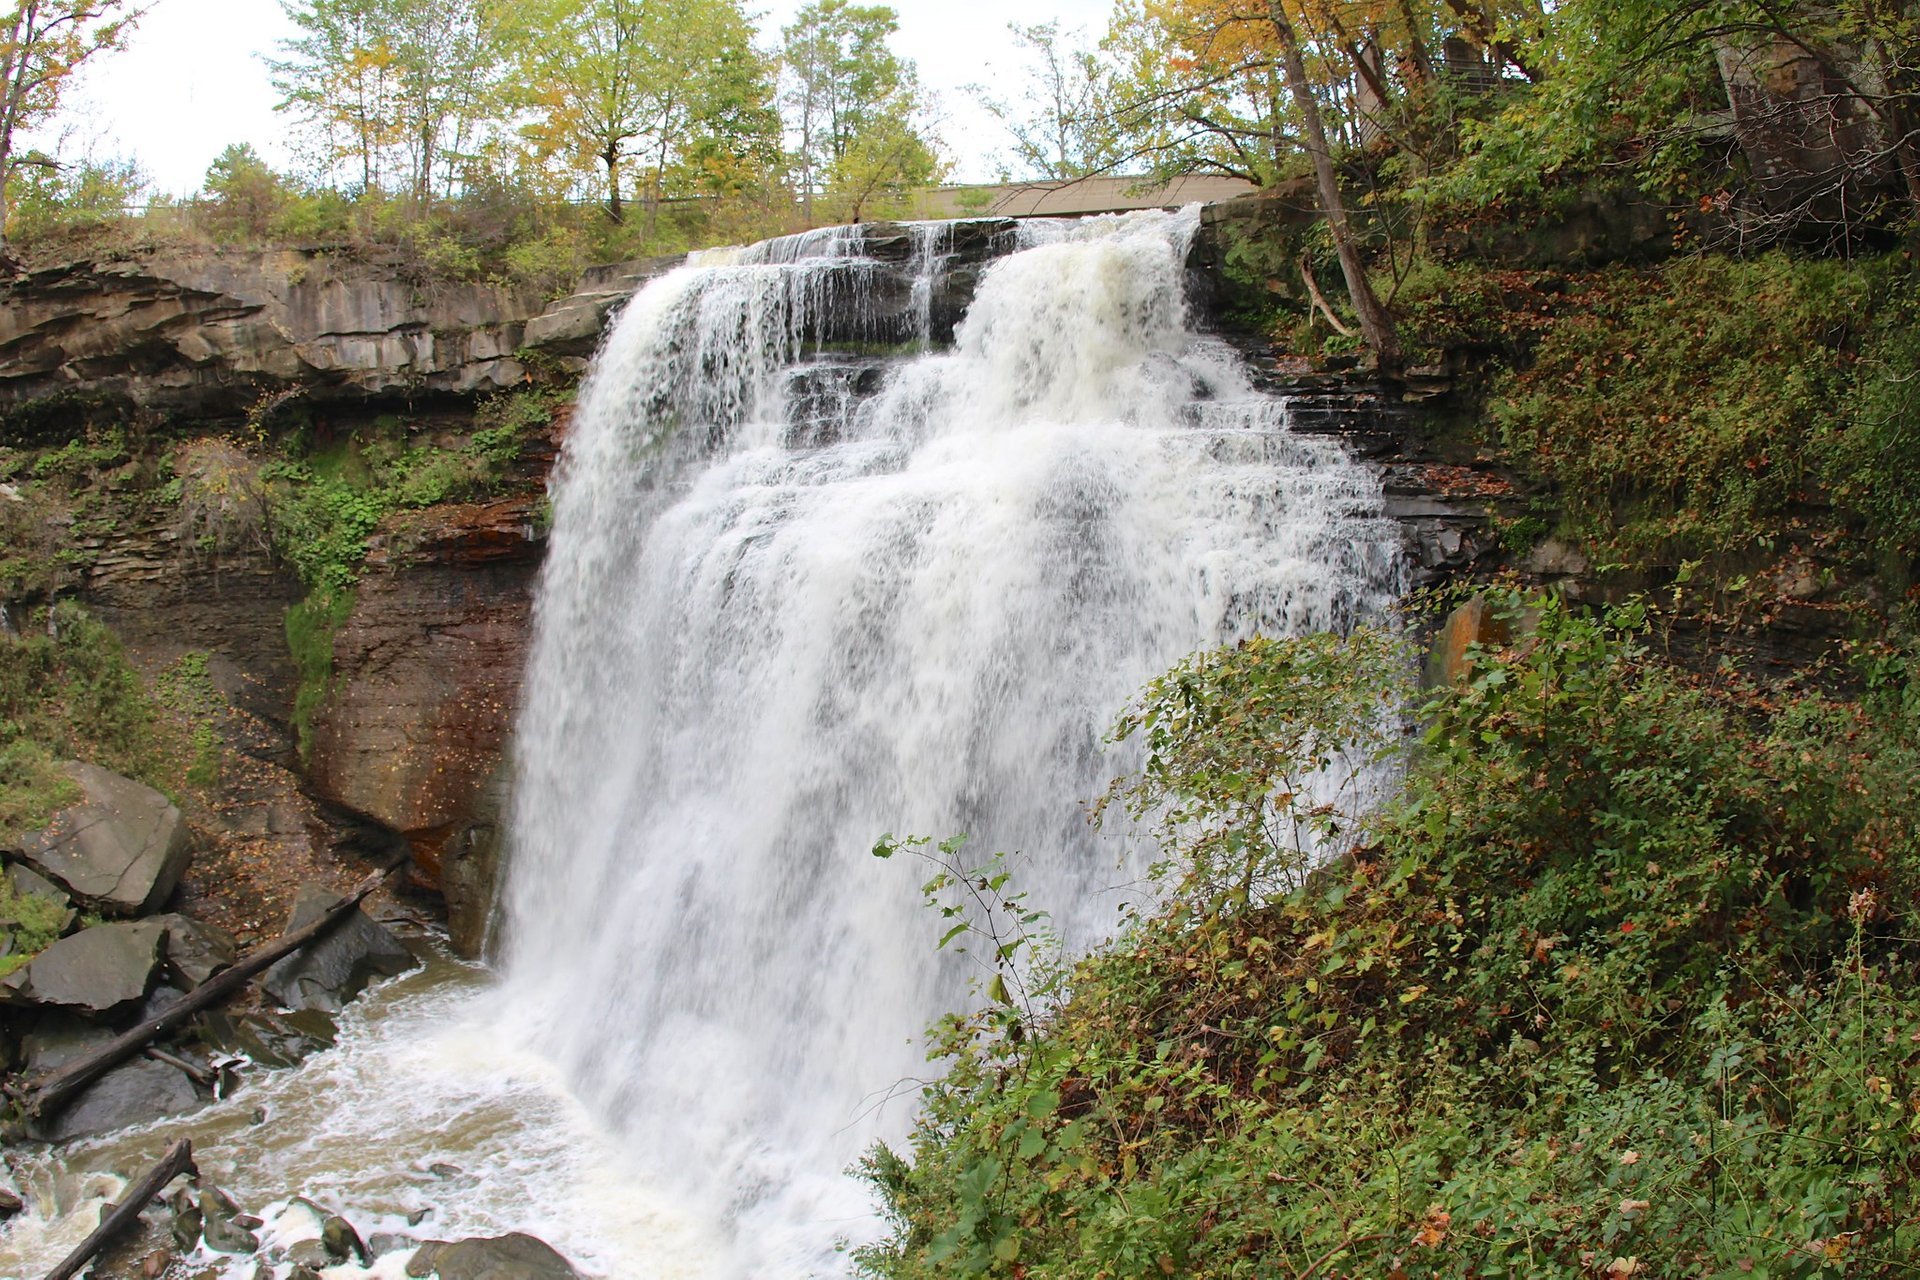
<point x="212" y="333"/>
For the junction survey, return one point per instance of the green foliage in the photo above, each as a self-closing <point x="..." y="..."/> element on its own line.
<point x="1676" y="412"/>
<point x="1622" y="984"/>
<point x="186" y="689"/>
<point x="1869" y="459"/>
<point x="245" y="195"/>
<point x="29" y="923"/>
<point x="324" y="506"/>
<point x="1255" y="757"/>
<point x="852" y="107"/>
<point x="310" y="628"/>
<point x="66" y="692"/>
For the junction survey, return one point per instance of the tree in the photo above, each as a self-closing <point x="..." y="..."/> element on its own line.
<point x="402" y="89"/>
<point x="42" y="43"/>
<point x="244" y="194"/>
<point x="667" y="82"/>
<point x="1376" y="326"/>
<point x="1059" y="126"/>
<point x="847" y="94"/>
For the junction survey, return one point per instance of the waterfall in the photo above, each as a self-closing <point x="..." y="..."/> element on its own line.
<point x="818" y="574"/>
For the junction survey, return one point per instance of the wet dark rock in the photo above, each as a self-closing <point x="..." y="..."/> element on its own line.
<point x="303" y="1273"/>
<point x="10" y="1204"/>
<point x="440" y="1169"/>
<point x="382" y="1243"/>
<point x="121" y="850"/>
<point x="268" y="1039"/>
<point x="59" y="1038"/>
<point x="342" y="1241"/>
<point x="99" y="971"/>
<point x="194" y="949"/>
<point x="516" y="1256"/>
<point x="134" y="1092"/>
<point x="221" y="1226"/>
<point x="340" y="966"/>
<point x="310" y="1253"/>
<point x="158" y="1001"/>
<point x="186" y="1220"/>
<point x="155" y="1264"/>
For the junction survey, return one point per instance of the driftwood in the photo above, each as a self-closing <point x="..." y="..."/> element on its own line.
<point x="46" y="1094"/>
<point x="177" y="1160"/>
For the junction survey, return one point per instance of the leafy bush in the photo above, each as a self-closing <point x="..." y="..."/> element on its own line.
<point x="1676" y="412"/>
<point x="324" y="506"/>
<point x="28" y="923"/>
<point x="66" y="691"/>
<point x="1623" y="984"/>
<point x="1870" y="456"/>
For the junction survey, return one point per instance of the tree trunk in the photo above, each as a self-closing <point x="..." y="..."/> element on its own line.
<point x="1376" y="326"/>
<point x="177" y="1159"/>
<point x="615" y="210"/>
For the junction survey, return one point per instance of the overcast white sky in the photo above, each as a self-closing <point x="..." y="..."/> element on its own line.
<point x="191" y="80"/>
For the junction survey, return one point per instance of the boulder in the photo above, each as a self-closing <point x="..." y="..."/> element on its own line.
<point x="195" y="950"/>
<point x="186" y="1220"/>
<point x="516" y="1256"/>
<point x="135" y="1092"/>
<point x="59" y="1038"/>
<point x="99" y="971"/>
<point x="342" y="1241"/>
<point x="120" y="851"/>
<point x="338" y="967"/>
<point x="223" y="1226"/>
<point x="266" y="1039"/>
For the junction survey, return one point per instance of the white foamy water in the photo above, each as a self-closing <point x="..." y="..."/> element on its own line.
<point x="811" y="581"/>
<point x="775" y="625"/>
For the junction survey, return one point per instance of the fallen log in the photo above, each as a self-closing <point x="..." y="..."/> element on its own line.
<point x="177" y="1160"/>
<point x="45" y="1095"/>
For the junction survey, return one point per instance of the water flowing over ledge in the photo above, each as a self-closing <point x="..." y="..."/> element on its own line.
<point x="815" y="577"/>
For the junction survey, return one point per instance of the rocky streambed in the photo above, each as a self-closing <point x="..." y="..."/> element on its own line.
<point x="95" y="878"/>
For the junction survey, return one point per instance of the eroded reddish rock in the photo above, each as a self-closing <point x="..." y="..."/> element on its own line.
<point x="426" y="677"/>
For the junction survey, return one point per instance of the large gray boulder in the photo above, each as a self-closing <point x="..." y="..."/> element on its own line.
<point x="135" y="1092"/>
<point x="510" y="1257"/>
<point x="120" y="851"/>
<point x="59" y="1038"/>
<point x="341" y="965"/>
<point x="195" y="950"/>
<point x="99" y="971"/>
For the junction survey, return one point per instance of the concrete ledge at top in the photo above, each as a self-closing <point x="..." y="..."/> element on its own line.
<point x="120" y="851"/>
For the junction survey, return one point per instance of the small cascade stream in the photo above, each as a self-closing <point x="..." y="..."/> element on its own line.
<point x="868" y="530"/>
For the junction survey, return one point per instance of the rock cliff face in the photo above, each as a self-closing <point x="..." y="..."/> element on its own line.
<point x="426" y="680"/>
<point x="211" y="334"/>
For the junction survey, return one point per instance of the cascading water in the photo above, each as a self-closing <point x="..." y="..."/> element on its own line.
<point x="782" y="617"/>
<point x="816" y="575"/>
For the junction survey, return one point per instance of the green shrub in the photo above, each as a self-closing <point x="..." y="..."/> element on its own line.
<point x="67" y="691"/>
<point x="1870" y="456"/>
<point x="310" y="628"/>
<point x="1623" y="984"/>
<point x="28" y="923"/>
<point x="1676" y="412"/>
